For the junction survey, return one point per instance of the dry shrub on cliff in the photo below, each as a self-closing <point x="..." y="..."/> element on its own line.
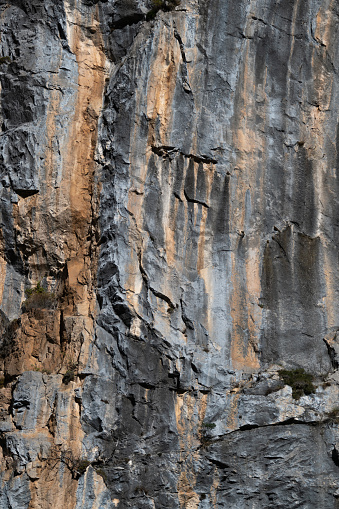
<point x="70" y="373"/>
<point x="39" y="298"/>
<point x="81" y="466"/>
<point x="300" y="381"/>
<point x="205" y="433"/>
<point x="77" y="466"/>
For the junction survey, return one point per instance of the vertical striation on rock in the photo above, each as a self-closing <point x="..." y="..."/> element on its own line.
<point x="168" y="254"/>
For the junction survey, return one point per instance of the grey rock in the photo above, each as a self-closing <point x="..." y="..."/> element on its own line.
<point x="170" y="176"/>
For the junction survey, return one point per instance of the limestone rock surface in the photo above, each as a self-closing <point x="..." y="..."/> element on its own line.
<point x="169" y="284"/>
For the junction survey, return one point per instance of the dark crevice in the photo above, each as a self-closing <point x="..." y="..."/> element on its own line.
<point x="123" y="311"/>
<point x="147" y="283"/>
<point x="181" y="44"/>
<point x="164" y="151"/>
<point x="52" y="423"/>
<point x="259" y="19"/>
<point x="62" y="34"/>
<point x="146" y="385"/>
<point x="218" y="463"/>
<point x="201" y="159"/>
<point x="281" y="247"/>
<point x="288" y="422"/>
<point x="176" y="376"/>
<point x="184" y="72"/>
<point x="131" y="398"/>
<point x="142" y="271"/>
<point x="167" y="151"/>
<point x="335" y="456"/>
<point x="133" y="19"/>
<point x="332" y="354"/>
<point x="62" y="331"/>
<point x="162" y="296"/>
<point x="194" y="368"/>
<point x="248" y="427"/>
<point x="317" y="41"/>
<point x="193" y="200"/>
<point x="189" y="324"/>
<point x="25" y="193"/>
<point x="177" y="196"/>
<point x="179" y="390"/>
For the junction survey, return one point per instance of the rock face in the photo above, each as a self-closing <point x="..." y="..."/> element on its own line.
<point x="168" y="246"/>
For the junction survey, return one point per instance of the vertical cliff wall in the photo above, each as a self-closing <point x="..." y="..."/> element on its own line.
<point x="169" y="254"/>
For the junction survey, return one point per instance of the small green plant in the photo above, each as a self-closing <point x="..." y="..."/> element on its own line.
<point x="38" y="289"/>
<point x="39" y="298"/>
<point x="300" y="381"/>
<point x="2" y="382"/>
<point x="208" y="425"/>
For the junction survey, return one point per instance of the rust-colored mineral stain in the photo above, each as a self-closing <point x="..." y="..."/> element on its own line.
<point x="72" y="197"/>
<point x="232" y="417"/>
<point x="159" y="98"/>
<point x="79" y="161"/>
<point x="134" y="283"/>
<point x="202" y="409"/>
<point x="3" y="266"/>
<point x="214" y="489"/>
<point x="188" y="498"/>
<point x="323" y="27"/>
<point x="45" y="494"/>
<point x="162" y="81"/>
<point x="245" y="330"/>
<point x="245" y="278"/>
<point x="330" y="297"/>
<point x="185" y="411"/>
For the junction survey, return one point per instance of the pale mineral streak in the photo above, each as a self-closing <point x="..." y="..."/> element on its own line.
<point x="170" y="181"/>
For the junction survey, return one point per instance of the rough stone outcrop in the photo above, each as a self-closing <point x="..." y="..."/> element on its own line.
<point x="168" y="245"/>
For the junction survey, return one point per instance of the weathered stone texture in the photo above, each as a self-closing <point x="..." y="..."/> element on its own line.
<point x="169" y="194"/>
